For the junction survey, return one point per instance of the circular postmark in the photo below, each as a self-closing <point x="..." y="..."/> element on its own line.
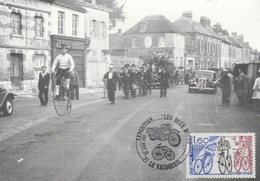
<point x="163" y="143"/>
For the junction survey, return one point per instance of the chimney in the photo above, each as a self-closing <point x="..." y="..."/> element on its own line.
<point x="217" y="27"/>
<point x="203" y="21"/>
<point x="187" y="14"/>
<point x="208" y="22"/>
<point x="241" y="37"/>
<point x="225" y="32"/>
<point x="234" y="34"/>
<point x="119" y="31"/>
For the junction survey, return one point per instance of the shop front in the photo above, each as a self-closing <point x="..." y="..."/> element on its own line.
<point x="77" y="49"/>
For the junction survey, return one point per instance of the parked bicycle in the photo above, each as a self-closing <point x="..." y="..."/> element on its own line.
<point x="61" y="97"/>
<point x="241" y="160"/>
<point x="159" y="152"/>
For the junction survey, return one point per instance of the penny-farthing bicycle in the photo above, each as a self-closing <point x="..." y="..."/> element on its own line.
<point x="61" y="97"/>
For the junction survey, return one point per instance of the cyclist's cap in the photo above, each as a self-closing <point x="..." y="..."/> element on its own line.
<point x="43" y="66"/>
<point x="111" y="66"/>
<point x="63" y="45"/>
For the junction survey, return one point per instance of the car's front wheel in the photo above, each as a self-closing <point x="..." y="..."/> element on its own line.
<point x="8" y="106"/>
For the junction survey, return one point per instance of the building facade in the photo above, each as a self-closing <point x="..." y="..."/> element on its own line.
<point x="202" y="44"/>
<point x="98" y="52"/>
<point x="67" y="20"/>
<point x="24" y="42"/>
<point x="152" y="34"/>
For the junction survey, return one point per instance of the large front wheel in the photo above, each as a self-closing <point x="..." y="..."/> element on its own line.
<point x="62" y="102"/>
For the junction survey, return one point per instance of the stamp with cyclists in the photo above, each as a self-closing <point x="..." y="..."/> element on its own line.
<point x="221" y="155"/>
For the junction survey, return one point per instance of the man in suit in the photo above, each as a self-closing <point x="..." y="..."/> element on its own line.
<point x="164" y="77"/>
<point x="111" y="78"/>
<point x="127" y="80"/>
<point x="43" y="86"/>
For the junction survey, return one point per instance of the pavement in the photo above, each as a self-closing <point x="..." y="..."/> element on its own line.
<point x="31" y="94"/>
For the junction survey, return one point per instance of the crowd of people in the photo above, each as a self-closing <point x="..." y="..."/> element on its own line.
<point x="240" y="87"/>
<point x="133" y="81"/>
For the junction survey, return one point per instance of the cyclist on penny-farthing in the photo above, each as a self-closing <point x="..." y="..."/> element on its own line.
<point x="62" y="66"/>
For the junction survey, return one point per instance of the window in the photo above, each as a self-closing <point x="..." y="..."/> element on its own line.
<point x="208" y="47"/>
<point x="39" y="26"/>
<point x="94" y="28"/>
<point x="61" y="20"/>
<point x="104" y="30"/>
<point x="75" y="24"/>
<point x="161" y="42"/>
<point x="134" y="43"/>
<point x="201" y="46"/>
<point x="16" y="23"/>
<point x="38" y="62"/>
<point x="198" y="46"/>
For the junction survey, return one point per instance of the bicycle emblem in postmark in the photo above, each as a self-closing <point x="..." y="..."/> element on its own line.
<point x="163" y="143"/>
<point x="221" y="155"/>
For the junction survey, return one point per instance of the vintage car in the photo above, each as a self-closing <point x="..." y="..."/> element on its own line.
<point x="218" y="73"/>
<point x="204" y="81"/>
<point x="6" y="102"/>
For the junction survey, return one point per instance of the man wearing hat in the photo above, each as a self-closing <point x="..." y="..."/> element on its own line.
<point x="43" y="86"/>
<point x="63" y="65"/>
<point x="127" y="80"/>
<point x="111" y="78"/>
<point x="164" y="77"/>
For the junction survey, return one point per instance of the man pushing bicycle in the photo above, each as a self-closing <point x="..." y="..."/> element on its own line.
<point x="62" y="66"/>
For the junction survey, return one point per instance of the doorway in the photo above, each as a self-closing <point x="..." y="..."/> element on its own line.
<point x="16" y="67"/>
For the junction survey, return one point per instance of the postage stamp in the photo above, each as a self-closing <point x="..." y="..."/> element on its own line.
<point x="163" y="143"/>
<point x="221" y="155"/>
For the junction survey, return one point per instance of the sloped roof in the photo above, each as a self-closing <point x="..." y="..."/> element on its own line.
<point x="153" y="24"/>
<point x="187" y="25"/>
<point x="234" y="42"/>
<point x="71" y="5"/>
<point x="224" y="38"/>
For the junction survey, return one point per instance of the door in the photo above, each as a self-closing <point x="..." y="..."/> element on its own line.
<point x="16" y="68"/>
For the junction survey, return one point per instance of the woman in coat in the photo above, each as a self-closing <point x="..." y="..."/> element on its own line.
<point x="241" y="87"/>
<point x="256" y="89"/>
<point x="226" y="89"/>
